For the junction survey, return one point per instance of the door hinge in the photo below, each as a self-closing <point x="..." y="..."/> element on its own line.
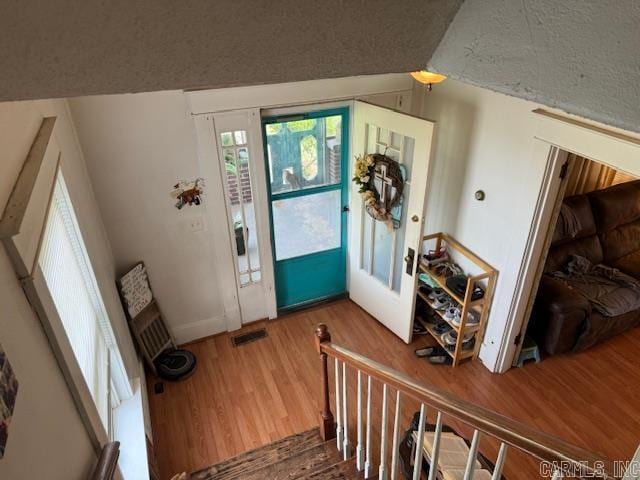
<point x="563" y="170"/>
<point x="517" y="340"/>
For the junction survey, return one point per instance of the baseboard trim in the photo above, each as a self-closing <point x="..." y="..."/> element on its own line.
<point x="196" y="330"/>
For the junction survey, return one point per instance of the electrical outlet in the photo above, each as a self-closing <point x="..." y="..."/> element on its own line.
<point x="196" y="224"/>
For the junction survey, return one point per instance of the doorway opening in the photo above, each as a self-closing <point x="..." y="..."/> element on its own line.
<point x="587" y="285"/>
<point x="306" y="163"/>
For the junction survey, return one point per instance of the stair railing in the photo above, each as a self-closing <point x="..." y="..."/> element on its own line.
<point x="564" y="459"/>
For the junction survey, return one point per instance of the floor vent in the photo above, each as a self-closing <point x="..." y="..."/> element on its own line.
<point x="249" y="337"/>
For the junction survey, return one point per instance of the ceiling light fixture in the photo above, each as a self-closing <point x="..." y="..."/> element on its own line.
<point x="428" y="78"/>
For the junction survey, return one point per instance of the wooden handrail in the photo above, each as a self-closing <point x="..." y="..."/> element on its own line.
<point x="543" y="446"/>
<point x="107" y="463"/>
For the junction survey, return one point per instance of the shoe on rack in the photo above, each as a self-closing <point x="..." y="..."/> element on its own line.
<point x="442" y="302"/>
<point x="473" y="319"/>
<point x="452" y="314"/>
<point x="435" y="293"/>
<point x="442" y="328"/>
<point x="451" y="337"/>
<point x="429" y="351"/>
<point x="418" y="329"/>
<point x="466" y="346"/>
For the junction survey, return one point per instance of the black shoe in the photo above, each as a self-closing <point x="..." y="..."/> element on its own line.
<point x="442" y="328"/>
<point x="418" y="329"/>
<point x="441" y="360"/>
<point x="429" y="351"/>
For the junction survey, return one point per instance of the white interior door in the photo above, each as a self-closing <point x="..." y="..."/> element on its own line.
<point x="382" y="274"/>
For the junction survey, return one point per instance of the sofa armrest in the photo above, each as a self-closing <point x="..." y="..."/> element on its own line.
<point x="560" y="314"/>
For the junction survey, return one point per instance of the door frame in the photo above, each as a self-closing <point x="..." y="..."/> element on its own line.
<point x="555" y="135"/>
<point x="271" y="98"/>
<point x="312" y="111"/>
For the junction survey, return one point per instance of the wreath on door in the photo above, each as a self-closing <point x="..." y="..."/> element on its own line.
<point x="381" y="182"/>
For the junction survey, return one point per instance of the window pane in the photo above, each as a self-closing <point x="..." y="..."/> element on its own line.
<point x="307" y="224"/>
<point x="240" y="200"/>
<point x="309" y="154"/>
<point x="227" y="139"/>
<point x="240" y="137"/>
<point x="304" y="153"/>
<point x="66" y="278"/>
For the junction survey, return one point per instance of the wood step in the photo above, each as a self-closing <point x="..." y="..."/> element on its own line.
<point x="261" y="457"/>
<point x="345" y="470"/>
<point x="298" y="466"/>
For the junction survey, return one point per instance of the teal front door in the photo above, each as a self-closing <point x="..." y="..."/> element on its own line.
<point x="307" y="174"/>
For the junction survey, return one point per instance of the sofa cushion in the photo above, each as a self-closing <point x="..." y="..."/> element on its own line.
<point x="615" y="206"/>
<point x="575" y="220"/>
<point x="620" y="241"/>
<point x="588" y="247"/>
<point x="629" y="264"/>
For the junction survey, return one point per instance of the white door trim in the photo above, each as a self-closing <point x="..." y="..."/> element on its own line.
<point x="615" y="148"/>
<point x="217" y="219"/>
<point x="296" y="93"/>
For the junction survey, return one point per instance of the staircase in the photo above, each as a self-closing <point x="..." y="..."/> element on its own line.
<point x="301" y="456"/>
<point x="346" y="447"/>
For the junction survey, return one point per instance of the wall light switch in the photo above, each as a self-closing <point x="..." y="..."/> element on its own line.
<point x="196" y="224"/>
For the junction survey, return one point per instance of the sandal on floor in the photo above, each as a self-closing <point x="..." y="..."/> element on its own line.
<point x="428" y="351"/>
<point x="441" y="360"/>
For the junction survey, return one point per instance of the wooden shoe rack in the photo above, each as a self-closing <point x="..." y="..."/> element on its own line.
<point x="485" y="279"/>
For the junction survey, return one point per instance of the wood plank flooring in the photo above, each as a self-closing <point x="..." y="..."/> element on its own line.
<point x="245" y="397"/>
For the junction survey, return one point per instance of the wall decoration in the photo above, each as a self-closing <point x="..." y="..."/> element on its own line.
<point x="135" y="290"/>
<point x="188" y="193"/>
<point x="8" y="393"/>
<point x="381" y="181"/>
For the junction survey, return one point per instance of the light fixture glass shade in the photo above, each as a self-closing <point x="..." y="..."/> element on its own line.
<point x="428" y="78"/>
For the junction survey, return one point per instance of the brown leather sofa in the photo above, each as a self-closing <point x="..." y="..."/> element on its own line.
<point x="607" y="232"/>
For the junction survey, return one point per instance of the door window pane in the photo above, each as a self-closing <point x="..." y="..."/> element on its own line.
<point x="382" y="248"/>
<point x="304" y="153"/>
<point x="308" y="224"/>
<point x="240" y="200"/>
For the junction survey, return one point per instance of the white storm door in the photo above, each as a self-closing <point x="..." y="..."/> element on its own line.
<point x="382" y="276"/>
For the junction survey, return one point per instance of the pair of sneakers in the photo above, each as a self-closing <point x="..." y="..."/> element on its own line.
<point x="454" y="315"/>
<point x="451" y="338"/>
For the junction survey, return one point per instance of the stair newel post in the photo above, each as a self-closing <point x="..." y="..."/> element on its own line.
<point x="327" y="426"/>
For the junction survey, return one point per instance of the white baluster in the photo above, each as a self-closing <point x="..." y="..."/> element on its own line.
<point x="338" y="409"/>
<point x="345" y="425"/>
<point x="433" y="468"/>
<point x="382" y="470"/>
<point x="557" y="475"/>
<point x="473" y="455"/>
<point x="502" y="456"/>
<point x="417" y="459"/>
<point x="359" y="451"/>
<point x="396" y="438"/>
<point x="367" y="463"/>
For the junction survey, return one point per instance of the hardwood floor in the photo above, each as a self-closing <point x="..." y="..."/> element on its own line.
<point x="242" y="398"/>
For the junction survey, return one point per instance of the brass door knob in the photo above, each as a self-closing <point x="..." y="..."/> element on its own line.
<point x="407" y="258"/>
<point x="415" y="218"/>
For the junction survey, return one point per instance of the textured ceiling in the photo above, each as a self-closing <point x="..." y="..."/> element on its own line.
<point x="68" y="48"/>
<point x="582" y="56"/>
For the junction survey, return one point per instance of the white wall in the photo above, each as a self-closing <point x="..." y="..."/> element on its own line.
<point x="136" y="148"/>
<point x="47" y="438"/>
<point x="484" y="142"/>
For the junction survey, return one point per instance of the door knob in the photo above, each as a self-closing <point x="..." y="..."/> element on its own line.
<point x="407" y="258"/>
<point x="415" y="218"/>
